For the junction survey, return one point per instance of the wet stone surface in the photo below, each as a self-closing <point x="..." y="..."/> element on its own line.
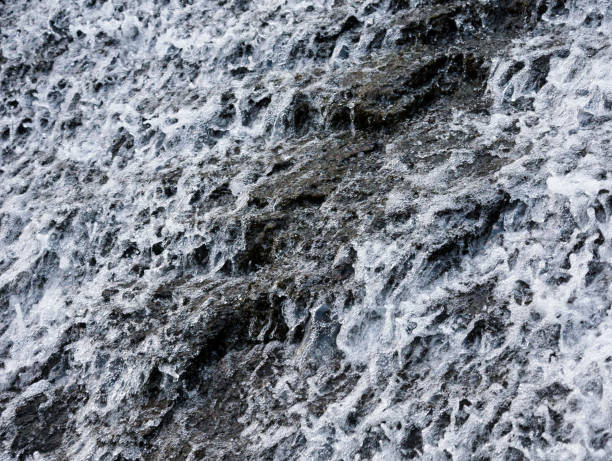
<point x="328" y="230"/>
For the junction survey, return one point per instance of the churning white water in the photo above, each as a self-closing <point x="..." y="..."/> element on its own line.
<point x="134" y="137"/>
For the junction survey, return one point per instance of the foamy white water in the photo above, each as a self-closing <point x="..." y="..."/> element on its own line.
<point x="305" y="230"/>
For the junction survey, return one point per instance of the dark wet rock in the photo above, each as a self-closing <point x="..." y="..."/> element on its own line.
<point x="514" y="454"/>
<point x="228" y="112"/>
<point x="440" y="27"/>
<point x="401" y="87"/>
<point x="600" y="440"/>
<point x="200" y="255"/>
<point x="372" y="442"/>
<point x="377" y="40"/>
<point x="301" y="115"/>
<point x="239" y="71"/>
<point x="593" y="19"/>
<point x="522" y="292"/>
<point x="260" y="236"/>
<point x="595" y="268"/>
<point x="412" y="442"/>
<point x="558" y="8"/>
<point x="512" y="70"/>
<point x="538" y="71"/>
<point x="40" y="422"/>
<point x="587" y="119"/>
<point x="254" y="109"/>
<point x="303" y="231"/>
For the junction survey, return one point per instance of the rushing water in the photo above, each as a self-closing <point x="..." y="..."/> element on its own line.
<point x="137" y="139"/>
<point x="559" y="171"/>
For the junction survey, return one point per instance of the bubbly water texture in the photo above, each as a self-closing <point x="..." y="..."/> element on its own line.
<point x="135" y="139"/>
<point x="570" y="143"/>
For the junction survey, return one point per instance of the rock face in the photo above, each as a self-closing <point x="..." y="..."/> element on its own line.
<point x="327" y="230"/>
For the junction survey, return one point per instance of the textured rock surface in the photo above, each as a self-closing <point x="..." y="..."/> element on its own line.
<point x="305" y="230"/>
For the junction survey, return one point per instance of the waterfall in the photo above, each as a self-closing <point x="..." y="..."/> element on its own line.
<point x="310" y="230"/>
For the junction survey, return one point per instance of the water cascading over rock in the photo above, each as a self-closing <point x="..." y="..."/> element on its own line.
<point x="305" y="230"/>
